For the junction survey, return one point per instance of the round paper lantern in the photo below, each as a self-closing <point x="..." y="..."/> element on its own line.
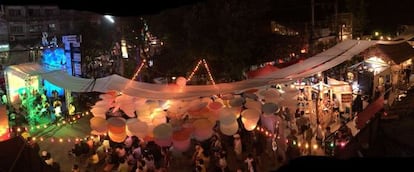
<point x="229" y="129"/>
<point x="251" y="114"/>
<point x="124" y="99"/>
<point x="196" y="106"/>
<point x="181" y="140"/>
<point x="103" y="103"/>
<point x="203" y="135"/>
<point x="106" y="97"/>
<point x="215" y="106"/>
<point x="250" y="96"/>
<point x="162" y="131"/>
<point x="249" y="125"/>
<point x="116" y="129"/>
<point x="141" y="129"/>
<point x="250" y="117"/>
<point x="203" y="129"/>
<point x="269" y="93"/>
<point x="236" y="111"/>
<point x="99" y="124"/>
<point x="237" y="102"/>
<point x="116" y="125"/>
<point x="142" y="109"/>
<point x="131" y="126"/>
<point x="117" y="137"/>
<point x="152" y="104"/>
<point x="99" y="111"/>
<point x="268" y="122"/>
<point x="159" y="118"/>
<point x="188" y="127"/>
<point x="227" y="118"/>
<point x="145" y="118"/>
<point x="181" y="81"/>
<point x="163" y="142"/>
<point x="270" y="108"/>
<point x="254" y="105"/>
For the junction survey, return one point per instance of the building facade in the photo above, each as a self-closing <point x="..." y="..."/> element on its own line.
<point x="23" y="27"/>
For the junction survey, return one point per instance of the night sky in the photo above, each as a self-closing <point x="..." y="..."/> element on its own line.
<point x="381" y="14"/>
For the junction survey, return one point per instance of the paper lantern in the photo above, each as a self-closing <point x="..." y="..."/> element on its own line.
<point x="270" y="93"/>
<point x="99" y="111"/>
<point x="107" y="97"/>
<point x="159" y="117"/>
<point x="215" y="106"/>
<point x="188" y="127"/>
<point x="254" y="105"/>
<point x="162" y="131"/>
<point x="181" y="81"/>
<point x="116" y="129"/>
<point x="103" y="104"/>
<point x="236" y="111"/>
<point x="249" y="125"/>
<point x="250" y="117"/>
<point x="196" y="106"/>
<point x="145" y="118"/>
<point x="163" y="142"/>
<point x="131" y="126"/>
<point x="124" y="99"/>
<point x="202" y="129"/>
<point x="268" y="122"/>
<point x="229" y="129"/>
<point x="251" y="114"/>
<point x="129" y="112"/>
<point x="203" y="135"/>
<point x="99" y="124"/>
<point x="116" y="125"/>
<point x="237" y="102"/>
<point x="141" y="129"/>
<point x="227" y="118"/>
<point x="250" y="96"/>
<point x="117" y="137"/>
<point x="181" y="140"/>
<point x="270" y="108"/>
<point x="142" y="109"/>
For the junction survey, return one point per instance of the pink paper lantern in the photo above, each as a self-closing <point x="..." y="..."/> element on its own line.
<point x="116" y="125"/>
<point x="99" y="124"/>
<point x="181" y="81"/>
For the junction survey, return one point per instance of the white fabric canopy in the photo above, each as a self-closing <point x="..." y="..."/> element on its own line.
<point x="320" y="62"/>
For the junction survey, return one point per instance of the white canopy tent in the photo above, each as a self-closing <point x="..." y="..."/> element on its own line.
<point x="320" y="62"/>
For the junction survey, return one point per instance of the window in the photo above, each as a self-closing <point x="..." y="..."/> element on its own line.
<point x="16" y="30"/>
<point x="52" y="26"/>
<point x="15" y="12"/>
<point x="35" y="28"/>
<point x="49" y="12"/>
<point x="33" y="12"/>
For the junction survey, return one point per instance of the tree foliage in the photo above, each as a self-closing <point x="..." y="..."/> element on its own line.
<point x="230" y="34"/>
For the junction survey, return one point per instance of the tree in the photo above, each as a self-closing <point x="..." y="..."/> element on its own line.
<point x="231" y="35"/>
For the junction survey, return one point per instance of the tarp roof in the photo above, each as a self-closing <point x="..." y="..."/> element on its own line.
<point x="397" y="52"/>
<point x="311" y="66"/>
<point x="262" y="71"/>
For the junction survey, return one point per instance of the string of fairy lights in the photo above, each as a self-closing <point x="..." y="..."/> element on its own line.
<point x="304" y="144"/>
<point x="71" y="120"/>
<point x="74" y="119"/>
<point x="196" y="69"/>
